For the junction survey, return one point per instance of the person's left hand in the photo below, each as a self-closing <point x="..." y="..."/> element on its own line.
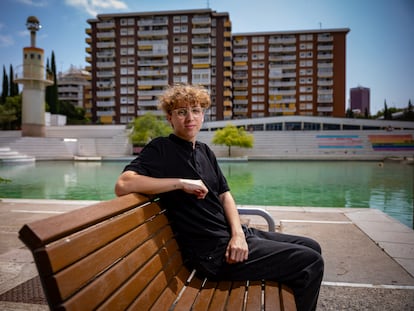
<point x="237" y="249"/>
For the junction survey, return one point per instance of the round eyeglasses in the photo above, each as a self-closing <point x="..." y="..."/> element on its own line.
<point x="196" y="112"/>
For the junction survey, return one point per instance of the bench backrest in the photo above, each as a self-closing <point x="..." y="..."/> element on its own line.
<point x="92" y="258"/>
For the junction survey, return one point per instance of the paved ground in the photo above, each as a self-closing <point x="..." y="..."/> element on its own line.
<point x="369" y="257"/>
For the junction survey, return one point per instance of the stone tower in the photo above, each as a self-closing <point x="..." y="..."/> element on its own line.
<point x="34" y="80"/>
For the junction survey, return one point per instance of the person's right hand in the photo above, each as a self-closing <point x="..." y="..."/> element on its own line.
<point x="195" y="186"/>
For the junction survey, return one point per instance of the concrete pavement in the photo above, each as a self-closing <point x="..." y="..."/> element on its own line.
<point x="369" y="256"/>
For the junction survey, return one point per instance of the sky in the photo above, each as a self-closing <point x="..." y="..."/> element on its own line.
<point x="380" y="44"/>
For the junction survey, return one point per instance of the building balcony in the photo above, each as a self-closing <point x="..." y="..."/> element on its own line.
<point x="105" y="54"/>
<point x="88" y="50"/>
<point x="281" y="40"/>
<point x="243" y="102"/>
<point x="159" y="52"/>
<point x="88" y="59"/>
<point x="243" y="50"/>
<point x="105" y="74"/>
<point x="325" y="47"/>
<point x="147" y="103"/>
<point x="105" y="65"/>
<point x="325" y="82"/>
<point x="150" y="92"/>
<point x="282" y="49"/>
<point x="107" y="44"/>
<point x="152" y="33"/>
<point x="325" y="108"/>
<point x="197" y="31"/>
<point x="240" y="42"/>
<point x="325" y="38"/>
<point x="152" y="73"/>
<point x="155" y="62"/>
<point x="241" y="93"/>
<point x="325" y="55"/>
<point x="88" y="31"/>
<point x="152" y="42"/>
<point x="201" y="51"/>
<point x="152" y="83"/>
<point x="103" y="35"/>
<point x="204" y="40"/>
<point x="106" y="25"/>
<point x="108" y="103"/>
<point x="105" y="113"/>
<point x="105" y="94"/>
<point x="156" y="21"/>
<point x="88" y="40"/>
<point x="240" y="84"/>
<point x="201" y="20"/>
<point x="243" y="59"/>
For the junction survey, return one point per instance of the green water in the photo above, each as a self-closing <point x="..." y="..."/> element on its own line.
<point x="284" y="183"/>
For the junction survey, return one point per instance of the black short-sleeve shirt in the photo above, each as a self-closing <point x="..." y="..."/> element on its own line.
<point x="198" y="223"/>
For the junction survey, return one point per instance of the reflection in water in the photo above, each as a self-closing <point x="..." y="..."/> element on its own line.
<point x="285" y="183"/>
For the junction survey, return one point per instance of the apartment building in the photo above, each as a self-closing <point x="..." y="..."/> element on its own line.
<point x="289" y="73"/>
<point x="134" y="56"/>
<point x="72" y="85"/>
<point x="360" y="100"/>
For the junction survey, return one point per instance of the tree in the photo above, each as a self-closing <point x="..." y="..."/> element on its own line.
<point x="5" y="90"/>
<point x="230" y="136"/>
<point x="148" y="127"/>
<point x="52" y="90"/>
<point x="74" y="115"/>
<point x="11" y="113"/>
<point x="14" y="87"/>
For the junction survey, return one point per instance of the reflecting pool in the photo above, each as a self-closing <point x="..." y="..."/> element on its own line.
<point x="387" y="187"/>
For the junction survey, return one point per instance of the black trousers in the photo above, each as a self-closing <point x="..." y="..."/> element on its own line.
<point x="292" y="260"/>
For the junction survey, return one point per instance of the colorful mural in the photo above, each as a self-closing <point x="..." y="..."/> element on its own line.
<point x="339" y="142"/>
<point x="392" y="142"/>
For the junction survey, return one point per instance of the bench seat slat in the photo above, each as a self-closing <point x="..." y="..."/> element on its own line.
<point x="237" y="294"/>
<point x="288" y="299"/>
<point x="272" y="297"/>
<point x="220" y="297"/>
<point x="203" y="300"/>
<point x="254" y="296"/>
<point x="170" y="293"/>
<point x="189" y="295"/>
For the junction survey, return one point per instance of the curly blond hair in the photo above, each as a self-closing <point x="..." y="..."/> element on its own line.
<point x="177" y="95"/>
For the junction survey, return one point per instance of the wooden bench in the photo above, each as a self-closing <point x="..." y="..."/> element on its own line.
<point x="121" y="255"/>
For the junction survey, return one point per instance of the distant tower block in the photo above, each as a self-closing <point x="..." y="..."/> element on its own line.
<point x="34" y="82"/>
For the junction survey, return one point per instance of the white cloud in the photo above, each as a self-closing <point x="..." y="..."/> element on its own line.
<point x="92" y="7"/>
<point x="38" y="3"/>
<point x="6" y="41"/>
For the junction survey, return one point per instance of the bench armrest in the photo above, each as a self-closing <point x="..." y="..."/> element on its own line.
<point x="259" y="212"/>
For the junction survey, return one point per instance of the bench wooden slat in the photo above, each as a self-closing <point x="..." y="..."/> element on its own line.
<point x="272" y="297"/>
<point x="237" y="294"/>
<point x="254" y="296"/>
<point x="288" y="299"/>
<point x="170" y="293"/>
<point x="189" y="295"/>
<point x="220" y="297"/>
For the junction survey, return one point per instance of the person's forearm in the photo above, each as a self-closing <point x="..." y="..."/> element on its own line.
<point x="130" y="183"/>
<point x="232" y="214"/>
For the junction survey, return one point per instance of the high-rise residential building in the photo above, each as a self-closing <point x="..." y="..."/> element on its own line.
<point x="134" y="56"/>
<point x="289" y="73"/>
<point x="360" y="100"/>
<point x="72" y="85"/>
